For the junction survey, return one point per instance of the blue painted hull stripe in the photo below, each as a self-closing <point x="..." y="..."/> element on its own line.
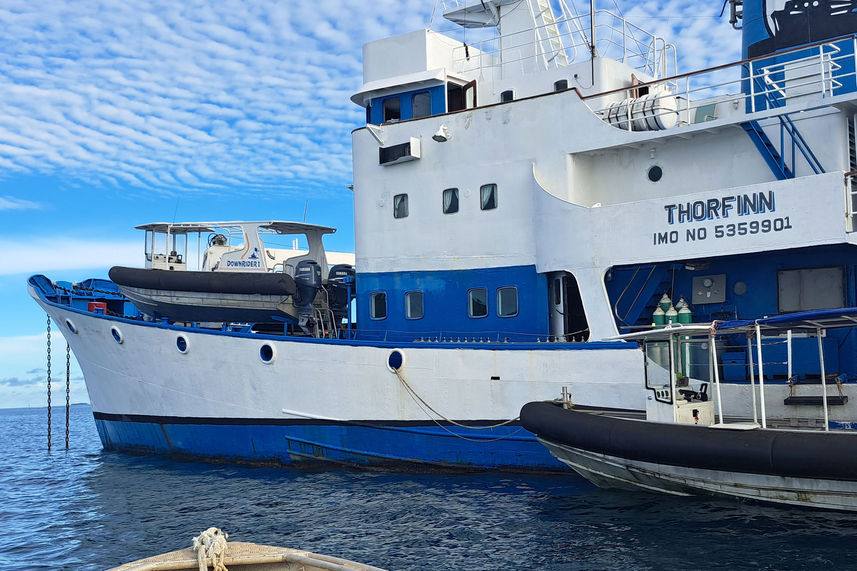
<point x="508" y="447"/>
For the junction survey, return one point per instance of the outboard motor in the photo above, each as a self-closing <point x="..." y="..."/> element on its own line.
<point x="339" y="281"/>
<point x="307" y="283"/>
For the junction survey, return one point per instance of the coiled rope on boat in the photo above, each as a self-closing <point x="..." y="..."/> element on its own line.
<point x="210" y="547"/>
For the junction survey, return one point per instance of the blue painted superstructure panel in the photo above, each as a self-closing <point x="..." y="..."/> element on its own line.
<point x="438" y="103"/>
<point x="759" y="275"/>
<point x="767" y="29"/>
<point x="357" y="443"/>
<point x="445" y="303"/>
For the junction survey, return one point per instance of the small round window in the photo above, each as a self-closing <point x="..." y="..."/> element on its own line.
<point x="655" y="173"/>
<point x="181" y="344"/>
<point x="395" y="360"/>
<point x="267" y="353"/>
<point x="70" y="326"/>
<point x="117" y="335"/>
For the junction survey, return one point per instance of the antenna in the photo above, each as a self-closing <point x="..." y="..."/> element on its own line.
<point x="592" y="50"/>
<point x="306" y="205"/>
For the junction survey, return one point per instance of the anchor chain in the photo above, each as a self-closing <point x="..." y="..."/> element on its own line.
<point x="49" y="382"/>
<point x="67" y="388"/>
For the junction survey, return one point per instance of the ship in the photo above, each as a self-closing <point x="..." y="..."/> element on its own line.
<point x="520" y="203"/>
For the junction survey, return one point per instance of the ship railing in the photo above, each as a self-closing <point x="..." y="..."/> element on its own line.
<point x="456" y="337"/>
<point x="685" y="360"/>
<point x="565" y="41"/>
<point x="820" y="70"/>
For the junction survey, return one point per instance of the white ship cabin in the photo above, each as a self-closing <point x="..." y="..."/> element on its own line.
<point x="239" y="246"/>
<point x="547" y="175"/>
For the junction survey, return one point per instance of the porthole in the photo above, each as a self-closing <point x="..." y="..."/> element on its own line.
<point x="396" y="360"/>
<point x="268" y="353"/>
<point x="656" y="173"/>
<point x="181" y="344"/>
<point x="70" y="326"/>
<point x="117" y="335"/>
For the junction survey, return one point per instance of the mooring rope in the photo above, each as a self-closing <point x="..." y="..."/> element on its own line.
<point x="424" y="405"/>
<point x="210" y="545"/>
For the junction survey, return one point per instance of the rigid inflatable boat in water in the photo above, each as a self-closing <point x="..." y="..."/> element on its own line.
<point x="678" y="447"/>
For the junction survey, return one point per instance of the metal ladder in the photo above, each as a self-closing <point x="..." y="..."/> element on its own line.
<point x="552" y="47"/>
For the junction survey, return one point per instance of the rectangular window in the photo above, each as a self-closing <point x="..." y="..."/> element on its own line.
<point x="488" y="195"/>
<point x="414" y="305"/>
<point x="477" y="302"/>
<point x="422" y="104"/>
<point x="811" y="288"/>
<point x="450" y="200"/>
<point x="507" y="301"/>
<point x="400" y="206"/>
<point x="392" y="109"/>
<point x="378" y="305"/>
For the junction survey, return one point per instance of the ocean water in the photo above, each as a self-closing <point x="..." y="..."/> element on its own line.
<point x="85" y="508"/>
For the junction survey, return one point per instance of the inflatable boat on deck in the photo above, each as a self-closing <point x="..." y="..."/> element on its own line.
<point x="241" y="280"/>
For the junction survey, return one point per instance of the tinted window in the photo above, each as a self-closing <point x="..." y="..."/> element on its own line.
<point x="488" y="196"/>
<point x="507" y="301"/>
<point x="422" y="104"/>
<point x="811" y="288"/>
<point x="450" y="200"/>
<point x="378" y="305"/>
<point x="477" y="302"/>
<point x="400" y="206"/>
<point x="392" y="109"/>
<point x="414" y="304"/>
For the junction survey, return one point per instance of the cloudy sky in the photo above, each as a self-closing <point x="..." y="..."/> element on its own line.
<point x="114" y="114"/>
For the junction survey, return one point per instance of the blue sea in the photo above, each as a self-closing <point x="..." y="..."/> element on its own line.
<point x="84" y="508"/>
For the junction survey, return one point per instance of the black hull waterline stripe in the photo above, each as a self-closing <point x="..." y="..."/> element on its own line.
<point x="226" y="421"/>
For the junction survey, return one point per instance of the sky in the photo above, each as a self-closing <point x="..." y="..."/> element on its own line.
<point x="117" y="114"/>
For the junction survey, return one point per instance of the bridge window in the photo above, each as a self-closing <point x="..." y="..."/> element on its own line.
<point x="507" y="301"/>
<point x="488" y="196"/>
<point x="450" y="200"/>
<point x="392" y="109"/>
<point x="414" y="305"/>
<point x="422" y="104"/>
<point x="560" y="85"/>
<point x="477" y="302"/>
<point x="400" y="206"/>
<point x="378" y="305"/>
<point x="507" y="96"/>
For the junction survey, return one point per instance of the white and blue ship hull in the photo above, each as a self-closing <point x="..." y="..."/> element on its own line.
<point x="329" y="400"/>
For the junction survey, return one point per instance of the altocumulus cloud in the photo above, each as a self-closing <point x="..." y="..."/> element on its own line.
<point x="160" y="94"/>
<point x="211" y="95"/>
